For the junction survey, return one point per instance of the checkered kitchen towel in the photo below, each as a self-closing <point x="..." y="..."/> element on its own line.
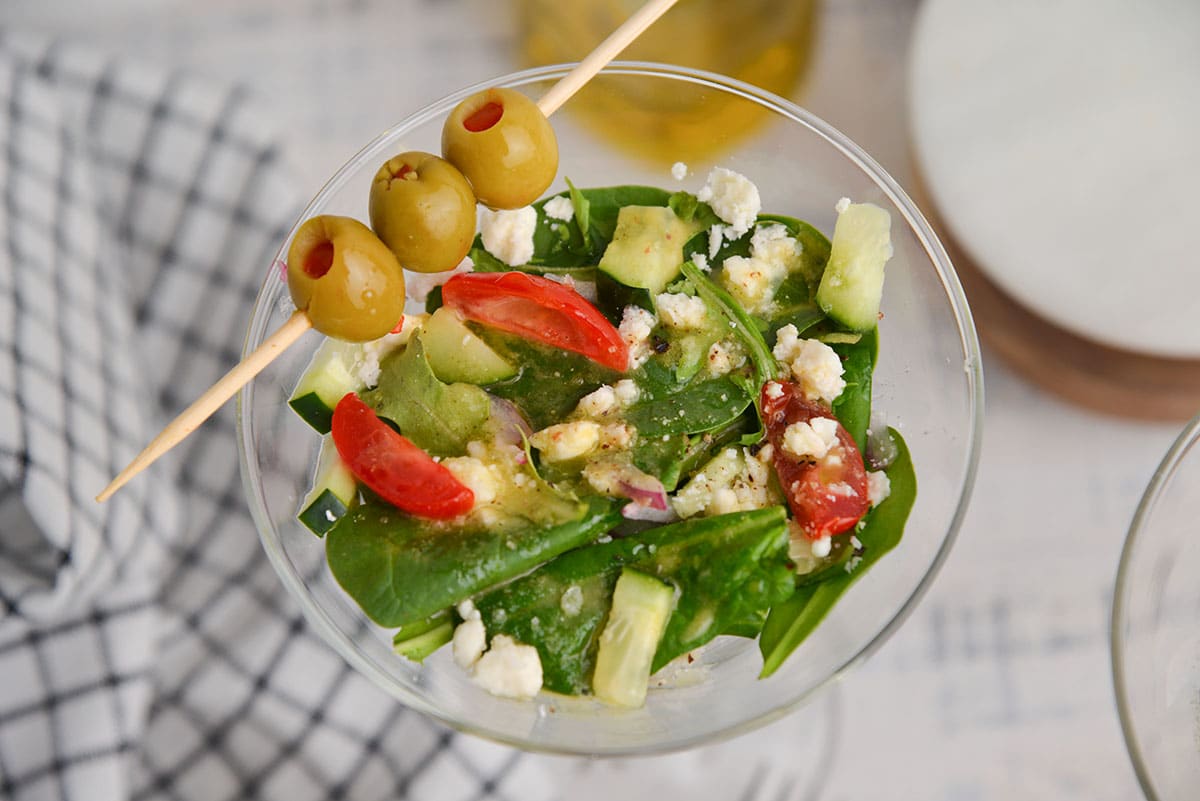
<point x="146" y="648"/>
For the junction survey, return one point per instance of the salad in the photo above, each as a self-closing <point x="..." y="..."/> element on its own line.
<point x="633" y="420"/>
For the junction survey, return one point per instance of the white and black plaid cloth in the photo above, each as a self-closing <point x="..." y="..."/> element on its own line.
<point x="147" y="650"/>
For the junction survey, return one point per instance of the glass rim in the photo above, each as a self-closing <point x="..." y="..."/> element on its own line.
<point x="918" y="225"/>
<point x="1160" y="482"/>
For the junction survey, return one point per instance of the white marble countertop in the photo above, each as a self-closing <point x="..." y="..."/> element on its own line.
<point x="999" y="686"/>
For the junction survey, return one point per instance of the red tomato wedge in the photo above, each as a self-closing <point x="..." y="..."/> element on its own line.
<point x="538" y="309"/>
<point x="828" y="495"/>
<point x="393" y="467"/>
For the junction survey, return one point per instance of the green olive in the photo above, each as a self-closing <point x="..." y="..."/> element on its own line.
<point x="345" y="278"/>
<point x="504" y="145"/>
<point x="424" y="210"/>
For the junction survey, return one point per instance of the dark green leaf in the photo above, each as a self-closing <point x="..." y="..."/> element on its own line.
<point x="790" y="622"/>
<point x="700" y="407"/>
<point x="853" y="406"/>
<point x="401" y="569"/>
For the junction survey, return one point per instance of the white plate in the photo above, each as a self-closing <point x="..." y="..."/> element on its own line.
<point x="1060" y="143"/>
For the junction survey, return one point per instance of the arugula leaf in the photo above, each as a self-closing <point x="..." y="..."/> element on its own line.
<point x="439" y="418"/>
<point x="402" y="569"/>
<point x="744" y="326"/>
<point x="790" y="622"/>
<point x="582" y="208"/>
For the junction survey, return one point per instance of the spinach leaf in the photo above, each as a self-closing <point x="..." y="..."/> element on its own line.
<point x="728" y="570"/>
<point x="790" y="622"/>
<point x="401" y="569"/>
<point x="700" y="407"/>
<point x="439" y="418"/>
<point x="853" y="406"/>
<point x="583" y="209"/>
<point x="690" y="208"/>
<point x="549" y="381"/>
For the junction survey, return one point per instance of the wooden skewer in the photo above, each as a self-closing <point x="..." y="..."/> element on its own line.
<point x="212" y="399"/>
<point x="193" y="416"/>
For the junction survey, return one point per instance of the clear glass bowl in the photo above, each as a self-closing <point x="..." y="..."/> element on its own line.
<point x="928" y="384"/>
<point x="1156" y="627"/>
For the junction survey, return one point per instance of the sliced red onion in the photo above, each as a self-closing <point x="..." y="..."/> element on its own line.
<point x="511" y="426"/>
<point x="281" y="266"/>
<point x="635" y="511"/>
<point x="644" y="490"/>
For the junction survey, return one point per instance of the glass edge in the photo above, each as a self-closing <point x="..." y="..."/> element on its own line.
<point x="1186" y="439"/>
<point x="917" y="222"/>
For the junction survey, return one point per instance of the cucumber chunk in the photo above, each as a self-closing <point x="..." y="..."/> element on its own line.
<point x="456" y="354"/>
<point x="333" y="491"/>
<point x="646" y="250"/>
<point x="328" y="377"/>
<point x="852" y="285"/>
<point x="420" y="639"/>
<point x="641" y="606"/>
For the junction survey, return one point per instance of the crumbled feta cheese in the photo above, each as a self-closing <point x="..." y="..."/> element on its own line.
<point x="571" y="601"/>
<point x="508" y="234"/>
<point x="842" y="205"/>
<point x="855" y="543"/>
<point x="466" y="610"/>
<point x="418" y="285"/>
<point x="564" y="441"/>
<point x="616" y="436"/>
<point x="476" y="475"/>
<point x="627" y="392"/>
<point x="681" y="311"/>
<point x="560" y="208"/>
<point x="729" y="482"/>
<point x="715" y="235"/>
<point x="774" y="389"/>
<point x="815" y="366"/>
<point x="724" y="356"/>
<point x="679" y="171"/>
<point x="733" y="197"/>
<point x="821" y="547"/>
<point x="470" y="638"/>
<point x="635" y="328"/>
<point x="754" y="280"/>
<point x="701" y="262"/>
<point x="598" y="403"/>
<point x="879" y="487"/>
<point x="810" y="439"/>
<point x="509" y="669"/>
<point x="766" y="453"/>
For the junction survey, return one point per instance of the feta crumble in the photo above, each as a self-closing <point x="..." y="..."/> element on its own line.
<point x="754" y="279"/>
<point x="418" y="285"/>
<point x="598" y="402"/>
<point x="679" y="171"/>
<point x="560" y="208"/>
<point x="701" y="262"/>
<point x="811" y="439"/>
<point x="563" y="441"/>
<point x="366" y="362"/>
<point x="635" y="328"/>
<point x="470" y="638"/>
<point x="879" y="487"/>
<point x="730" y="482"/>
<point x="571" y="601"/>
<point x="508" y="234"/>
<point x="681" y="311"/>
<point x="509" y="669"/>
<point x="815" y="366"/>
<point x="821" y="547"/>
<point x="724" y="357"/>
<point x="626" y="391"/>
<point x="733" y="197"/>
<point x="476" y="475"/>
<point x="842" y="205"/>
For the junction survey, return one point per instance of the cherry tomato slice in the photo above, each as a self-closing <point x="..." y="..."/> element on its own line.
<point x="393" y="467"/>
<point x="828" y="495"/>
<point x="539" y="309"/>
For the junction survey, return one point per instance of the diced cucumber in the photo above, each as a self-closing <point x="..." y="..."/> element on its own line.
<point x="852" y="285"/>
<point x="329" y="376"/>
<point x="641" y="606"/>
<point x="333" y="491"/>
<point x="646" y="250"/>
<point x="420" y="639"/>
<point x="456" y="354"/>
